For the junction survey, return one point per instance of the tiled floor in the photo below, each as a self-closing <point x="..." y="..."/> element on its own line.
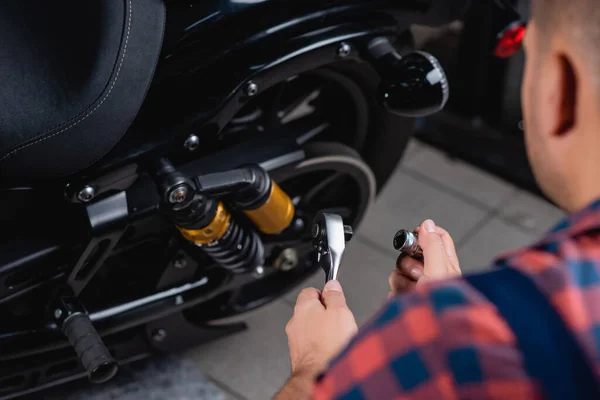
<point x="485" y="215"/>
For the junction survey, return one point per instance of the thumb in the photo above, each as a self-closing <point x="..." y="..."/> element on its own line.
<point x="333" y="295"/>
<point x="434" y="251"/>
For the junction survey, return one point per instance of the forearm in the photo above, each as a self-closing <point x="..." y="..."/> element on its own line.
<point x="296" y="388"/>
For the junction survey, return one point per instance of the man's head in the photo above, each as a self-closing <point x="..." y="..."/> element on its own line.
<point x="561" y="99"/>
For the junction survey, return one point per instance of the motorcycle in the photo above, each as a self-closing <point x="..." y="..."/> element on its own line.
<point x="161" y="163"/>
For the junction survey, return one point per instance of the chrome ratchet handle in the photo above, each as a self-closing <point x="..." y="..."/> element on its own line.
<point x="329" y="239"/>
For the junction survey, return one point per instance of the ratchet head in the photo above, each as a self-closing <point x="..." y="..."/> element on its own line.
<point x="329" y="239"/>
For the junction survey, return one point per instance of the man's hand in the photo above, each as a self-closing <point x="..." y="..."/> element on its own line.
<point x="322" y="325"/>
<point x="320" y="328"/>
<point x="440" y="260"/>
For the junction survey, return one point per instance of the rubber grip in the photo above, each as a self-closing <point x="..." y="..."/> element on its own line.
<point x="93" y="354"/>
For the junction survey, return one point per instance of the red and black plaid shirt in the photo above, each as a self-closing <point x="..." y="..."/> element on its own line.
<point x="446" y="341"/>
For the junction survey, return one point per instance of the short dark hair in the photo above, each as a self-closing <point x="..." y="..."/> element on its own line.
<point x="579" y="20"/>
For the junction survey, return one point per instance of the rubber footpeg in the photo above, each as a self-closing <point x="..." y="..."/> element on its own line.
<point x="91" y="350"/>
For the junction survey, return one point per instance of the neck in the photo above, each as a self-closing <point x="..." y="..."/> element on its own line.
<point x="583" y="182"/>
<point x="585" y="198"/>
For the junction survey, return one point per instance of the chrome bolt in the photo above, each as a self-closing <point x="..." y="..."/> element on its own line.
<point x="159" y="335"/>
<point x="178" y="195"/>
<point x="259" y="272"/>
<point x="57" y="313"/>
<point x="251" y="89"/>
<point x="287" y="260"/>
<point x="191" y="143"/>
<point x="344" y="50"/>
<point x="86" y="194"/>
<point x="298" y="224"/>
<point x="180" y="263"/>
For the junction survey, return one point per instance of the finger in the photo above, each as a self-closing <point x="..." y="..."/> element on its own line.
<point x="434" y="250"/>
<point x="410" y="267"/>
<point x="448" y="244"/>
<point x="309" y="295"/>
<point x="333" y="295"/>
<point x="400" y="283"/>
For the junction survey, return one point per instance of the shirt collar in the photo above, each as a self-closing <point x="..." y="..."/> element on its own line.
<point x="582" y="220"/>
<point x="572" y="225"/>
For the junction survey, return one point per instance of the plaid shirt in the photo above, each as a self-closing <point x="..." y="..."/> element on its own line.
<point x="446" y="341"/>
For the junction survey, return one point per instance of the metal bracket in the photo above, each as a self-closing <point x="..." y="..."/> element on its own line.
<point x="108" y="219"/>
<point x="179" y="270"/>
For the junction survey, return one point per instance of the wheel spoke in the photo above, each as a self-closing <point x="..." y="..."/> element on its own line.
<point x="300" y="107"/>
<point x="248" y="118"/>
<point x="272" y="120"/>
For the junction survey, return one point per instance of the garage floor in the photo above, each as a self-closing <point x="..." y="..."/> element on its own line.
<point x="484" y="214"/>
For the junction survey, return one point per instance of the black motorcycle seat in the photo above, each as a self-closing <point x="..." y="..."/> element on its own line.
<point x="73" y="76"/>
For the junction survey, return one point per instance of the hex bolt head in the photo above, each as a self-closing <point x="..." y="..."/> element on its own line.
<point x="178" y="195"/>
<point x="251" y="89"/>
<point x="191" y="143"/>
<point x="299" y="224"/>
<point x="180" y="263"/>
<point x="344" y="50"/>
<point x="86" y="194"/>
<point x="259" y="272"/>
<point x="287" y="260"/>
<point x="159" y="335"/>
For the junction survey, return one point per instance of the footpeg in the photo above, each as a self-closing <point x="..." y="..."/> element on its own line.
<point x="72" y="319"/>
<point x="329" y="239"/>
<point x="411" y="86"/>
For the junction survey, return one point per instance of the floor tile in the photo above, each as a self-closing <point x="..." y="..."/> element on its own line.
<point x="460" y="177"/>
<point x="254" y="363"/>
<point x="494" y="238"/>
<point x="531" y="212"/>
<point x="413" y="148"/>
<point x="407" y="201"/>
<point x="174" y="377"/>
<point x="364" y="276"/>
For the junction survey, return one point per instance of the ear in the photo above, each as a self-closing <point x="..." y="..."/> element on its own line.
<point x="567" y="97"/>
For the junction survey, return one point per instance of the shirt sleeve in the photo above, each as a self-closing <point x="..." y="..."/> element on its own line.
<point x="442" y="342"/>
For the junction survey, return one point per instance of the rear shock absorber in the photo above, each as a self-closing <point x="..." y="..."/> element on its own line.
<point x="223" y="239"/>
<point x="199" y="209"/>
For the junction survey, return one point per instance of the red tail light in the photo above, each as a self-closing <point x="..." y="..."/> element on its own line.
<point x="510" y="40"/>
